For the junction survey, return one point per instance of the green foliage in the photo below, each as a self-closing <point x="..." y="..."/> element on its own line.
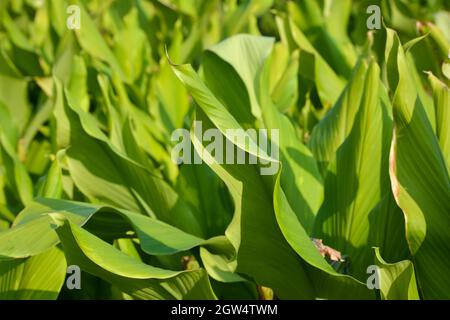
<point x="86" y="170"/>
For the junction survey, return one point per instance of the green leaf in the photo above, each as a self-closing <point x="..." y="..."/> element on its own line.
<point x="254" y="232"/>
<point x="37" y="278"/>
<point x="254" y="229"/>
<point x="214" y="109"/>
<point x="301" y="179"/>
<point x="92" y="42"/>
<point x="326" y="281"/>
<point x="106" y="175"/>
<point x="332" y="131"/>
<point x="14" y="96"/>
<point x="421" y="186"/>
<point x="202" y="189"/>
<point x="16" y="174"/>
<point x="128" y="274"/>
<point x="130" y="46"/>
<point x="33" y="230"/>
<point x="357" y="179"/>
<point x="441" y="95"/>
<point x="397" y="280"/>
<point x="312" y="65"/>
<point x="245" y="54"/>
<point x="51" y="186"/>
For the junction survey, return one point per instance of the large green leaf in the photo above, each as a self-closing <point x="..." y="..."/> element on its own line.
<point x="250" y="91"/>
<point x="37" y="278"/>
<point x="397" y="281"/>
<point x="254" y="232"/>
<point x="326" y="281"/>
<point x="128" y="274"/>
<point x="332" y="131"/>
<point x="421" y="186"/>
<point x="253" y="207"/>
<point x="33" y="233"/>
<point x="254" y="211"/>
<point x="357" y="179"/>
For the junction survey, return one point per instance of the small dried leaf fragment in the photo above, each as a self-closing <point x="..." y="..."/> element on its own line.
<point x="326" y="251"/>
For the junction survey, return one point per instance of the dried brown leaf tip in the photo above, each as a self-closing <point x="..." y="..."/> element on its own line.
<point x="326" y="251"/>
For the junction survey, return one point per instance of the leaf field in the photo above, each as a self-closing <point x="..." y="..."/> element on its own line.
<point x="315" y="162"/>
